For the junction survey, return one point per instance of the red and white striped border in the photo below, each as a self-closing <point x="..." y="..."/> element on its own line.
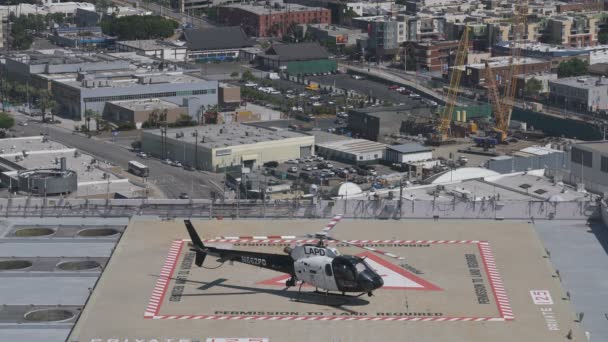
<point x="498" y="289"/>
<point x="333" y="318"/>
<point x="289" y="239"/>
<point x="160" y="288"/>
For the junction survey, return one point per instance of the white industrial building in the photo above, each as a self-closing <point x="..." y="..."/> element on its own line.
<point x="408" y="153"/>
<point x="353" y="151"/>
<point x="161" y="49"/>
<point x="227" y="146"/>
<point x="589" y="165"/>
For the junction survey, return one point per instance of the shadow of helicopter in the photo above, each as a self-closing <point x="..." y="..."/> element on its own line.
<point x="314" y="298"/>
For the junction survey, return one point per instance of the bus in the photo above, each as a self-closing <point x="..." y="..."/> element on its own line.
<point x="138" y="169"/>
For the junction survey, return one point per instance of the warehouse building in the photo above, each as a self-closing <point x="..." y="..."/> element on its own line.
<point x="161" y="49"/>
<point x="93" y="91"/>
<point x="354" y="151"/>
<point x="226" y="146"/>
<point x="216" y="43"/>
<point x="408" y="153"/>
<point x="381" y="123"/>
<point x="298" y="59"/>
<point x="581" y="94"/>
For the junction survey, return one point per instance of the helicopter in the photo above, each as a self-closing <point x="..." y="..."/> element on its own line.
<point x="315" y="264"/>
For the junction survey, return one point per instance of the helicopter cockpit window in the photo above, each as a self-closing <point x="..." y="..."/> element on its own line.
<point x="343" y="270"/>
<point x="328" y="270"/>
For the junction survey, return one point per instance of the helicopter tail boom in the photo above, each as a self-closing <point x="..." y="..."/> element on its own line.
<point x="197" y="242"/>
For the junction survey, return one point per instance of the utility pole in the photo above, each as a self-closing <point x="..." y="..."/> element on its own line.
<point x="196" y="149"/>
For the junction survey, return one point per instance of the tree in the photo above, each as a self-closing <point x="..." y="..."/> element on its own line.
<point x="6" y="120"/>
<point x="570" y="68"/>
<point x="148" y="27"/>
<point x="247" y="75"/>
<point x="88" y="115"/>
<point x="533" y="87"/>
<point x="602" y="37"/>
<point x="45" y="102"/>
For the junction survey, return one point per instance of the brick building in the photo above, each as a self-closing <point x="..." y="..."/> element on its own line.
<point x="475" y="74"/>
<point x="271" y="20"/>
<point x="433" y="56"/>
<point x="580" y="6"/>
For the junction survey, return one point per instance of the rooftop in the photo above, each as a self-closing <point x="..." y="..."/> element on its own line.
<point x="276" y="7"/>
<point x="151" y="44"/>
<point x="354" y="146"/>
<point x="42" y="153"/>
<point x="410" y="148"/>
<point x="139" y="105"/>
<point x="583" y="82"/>
<point x="299" y="51"/>
<point x="599" y="146"/>
<point x="226" y="135"/>
<point x="503" y="61"/>
<point x="123" y="79"/>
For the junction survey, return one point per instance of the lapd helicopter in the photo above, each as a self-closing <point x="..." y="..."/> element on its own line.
<point x="315" y="264"/>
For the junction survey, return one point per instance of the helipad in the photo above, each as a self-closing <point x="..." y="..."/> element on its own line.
<point x="458" y="281"/>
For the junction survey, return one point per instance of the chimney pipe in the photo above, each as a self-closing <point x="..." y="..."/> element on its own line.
<point x="63" y="164"/>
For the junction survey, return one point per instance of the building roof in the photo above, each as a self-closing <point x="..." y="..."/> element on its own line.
<point x="599" y="146"/>
<point x="145" y="105"/>
<point x="216" y="38"/>
<point x="227" y="135"/>
<point x="582" y="82"/>
<point x="301" y="51"/>
<point x="152" y="44"/>
<point x="354" y="146"/>
<point x="410" y="148"/>
<point x="463" y="173"/>
<point x="276" y="7"/>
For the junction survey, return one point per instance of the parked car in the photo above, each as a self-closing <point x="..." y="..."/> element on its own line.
<point x="293" y="169"/>
<point x="184" y="195"/>
<point x="271" y="164"/>
<point x="176" y="164"/>
<point x="167" y="161"/>
<point x="189" y="168"/>
<point x="142" y="155"/>
<point x="307" y="168"/>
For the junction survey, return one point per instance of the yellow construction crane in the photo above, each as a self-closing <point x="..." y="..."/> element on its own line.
<point x="445" y="117"/>
<point x="503" y="107"/>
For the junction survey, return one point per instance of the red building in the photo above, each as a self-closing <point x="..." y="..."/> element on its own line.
<point x="272" y="21"/>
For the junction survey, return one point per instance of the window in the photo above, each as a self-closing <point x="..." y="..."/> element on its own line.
<point x="525" y="186"/>
<point x="328" y="270"/>
<point x="540" y="191"/>
<point x="604" y="166"/>
<point x="579" y="156"/>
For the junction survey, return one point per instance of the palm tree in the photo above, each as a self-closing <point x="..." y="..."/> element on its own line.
<point x="88" y="115"/>
<point x="45" y="102"/>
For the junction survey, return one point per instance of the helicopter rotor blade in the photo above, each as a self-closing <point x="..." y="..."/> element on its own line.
<point x="332" y="223"/>
<point x="375" y="250"/>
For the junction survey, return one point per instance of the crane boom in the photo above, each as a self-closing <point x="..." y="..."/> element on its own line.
<point x="445" y="116"/>
<point x="503" y="107"/>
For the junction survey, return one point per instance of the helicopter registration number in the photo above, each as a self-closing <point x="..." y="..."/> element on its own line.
<point x="254" y="261"/>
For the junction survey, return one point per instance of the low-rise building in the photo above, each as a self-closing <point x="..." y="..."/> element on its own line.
<point x="138" y="111"/>
<point x="433" y="56"/>
<point x="161" y="49"/>
<point x="271" y="19"/>
<point x="298" y="59"/>
<point x="332" y="34"/>
<point x="589" y="165"/>
<point x="226" y="146"/>
<point x="92" y="91"/>
<point x="408" y="153"/>
<point x="475" y="74"/>
<point x="353" y="151"/>
<point x="229" y="96"/>
<point x="81" y="37"/>
<point x="216" y="43"/>
<point x="380" y="123"/>
<point x="582" y="94"/>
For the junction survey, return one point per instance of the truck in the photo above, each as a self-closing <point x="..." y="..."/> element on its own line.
<point x="312" y="86"/>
